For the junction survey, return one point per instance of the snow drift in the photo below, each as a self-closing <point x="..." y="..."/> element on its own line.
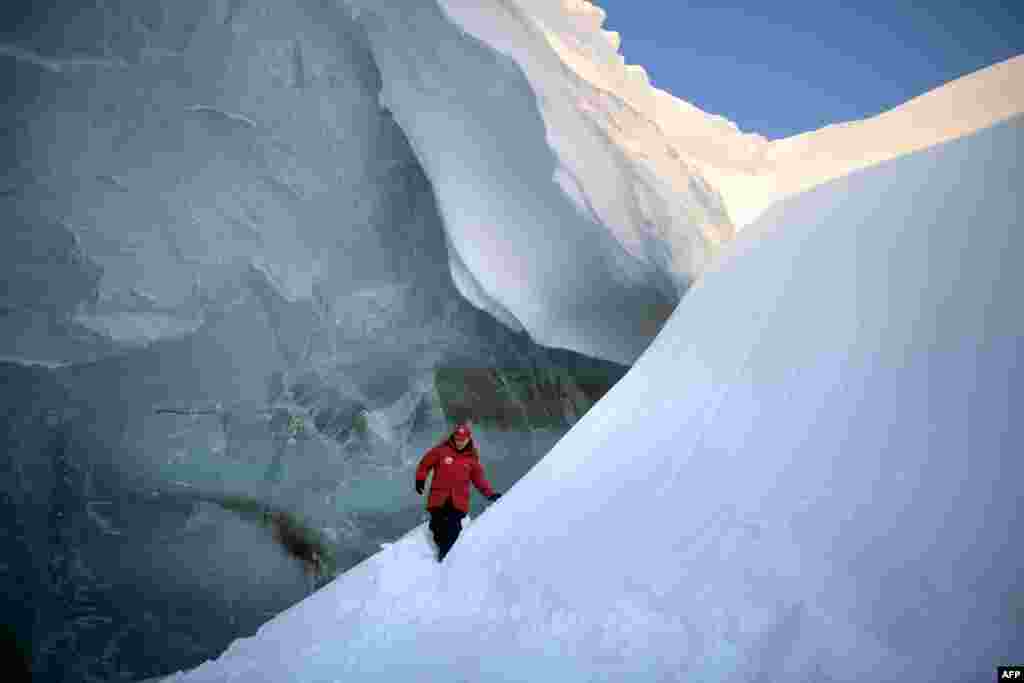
<point x="823" y="429"/>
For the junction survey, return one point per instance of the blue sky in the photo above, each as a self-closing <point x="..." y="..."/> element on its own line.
<point x="779" y="68"/>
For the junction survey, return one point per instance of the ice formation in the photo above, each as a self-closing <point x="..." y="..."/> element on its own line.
<point x="823" y="430"/>
<point x="547" y="150"/>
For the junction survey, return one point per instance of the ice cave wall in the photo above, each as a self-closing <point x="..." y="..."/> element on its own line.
<point x="158" y="151"/>
<point x="210" y="226"/>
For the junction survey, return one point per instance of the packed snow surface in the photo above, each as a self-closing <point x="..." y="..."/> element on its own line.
<point x="809" y="475"/>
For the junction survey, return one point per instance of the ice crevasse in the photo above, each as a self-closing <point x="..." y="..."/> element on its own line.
<point x="827" y="501"/>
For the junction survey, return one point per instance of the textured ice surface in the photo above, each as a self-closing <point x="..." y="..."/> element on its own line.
<point x="138" y="328"/>
<point x="255" y="140"/>
<point x="824" y="429"/>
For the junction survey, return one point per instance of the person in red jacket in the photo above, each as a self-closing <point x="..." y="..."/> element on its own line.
<point x="455" y="463"/>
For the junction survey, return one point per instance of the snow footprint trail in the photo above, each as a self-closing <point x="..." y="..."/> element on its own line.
<point x="403" y="580"/>
<point x="410" y="561"/>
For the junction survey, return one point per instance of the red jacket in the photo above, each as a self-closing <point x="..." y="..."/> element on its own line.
<point x="453" y="470"/>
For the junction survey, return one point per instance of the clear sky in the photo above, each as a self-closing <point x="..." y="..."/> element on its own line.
<point x="784" y="67"/>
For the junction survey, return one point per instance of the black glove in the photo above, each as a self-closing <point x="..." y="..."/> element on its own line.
<point x="495" y="497"/>
<point x="419" y="486"/>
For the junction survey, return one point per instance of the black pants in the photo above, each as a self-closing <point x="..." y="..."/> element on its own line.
<point x="446" y="523"/>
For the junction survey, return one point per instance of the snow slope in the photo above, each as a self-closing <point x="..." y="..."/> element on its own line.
<point x="546" y="150"/>
<point x="824" y="429"/>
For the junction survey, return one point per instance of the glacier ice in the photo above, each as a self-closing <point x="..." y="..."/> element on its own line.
<point x="823" y="429"/>
<point x="530" y="124"/>
<point x="563" y="211"/>
<point x="138" y="328"/>
<point x="221" y="137"/>
<point x="245" y="147"/>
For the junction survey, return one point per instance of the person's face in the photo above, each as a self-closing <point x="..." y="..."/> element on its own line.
<point x="461" y="441"/>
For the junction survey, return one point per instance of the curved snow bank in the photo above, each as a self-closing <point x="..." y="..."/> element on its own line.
<point x="568" y="212"/>
<point x="808" y="475"/>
